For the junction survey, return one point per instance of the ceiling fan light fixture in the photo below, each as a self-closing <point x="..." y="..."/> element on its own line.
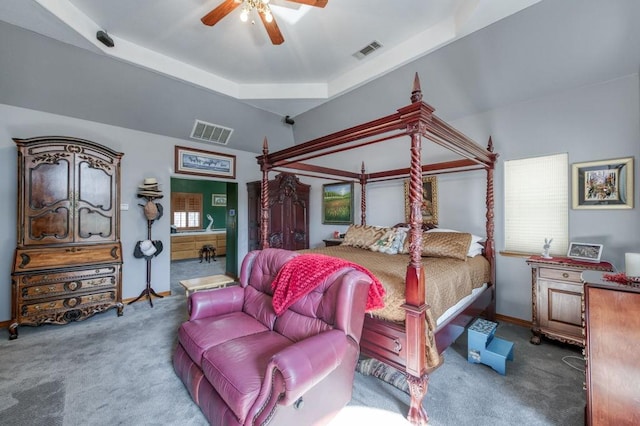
<point x="244" y="15"/>
<point x="262" y="6"/>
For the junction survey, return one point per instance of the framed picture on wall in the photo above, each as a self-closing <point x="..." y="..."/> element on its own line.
<point x="337" y="203"/>
<point x="218" y="200"/>
<point x="199" y="162"/>
<point x="606" y="184"/>
<point x="429" y="200"/>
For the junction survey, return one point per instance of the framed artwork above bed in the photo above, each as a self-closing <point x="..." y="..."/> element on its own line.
<point x="337" y="203"/>
<point x="429" y="200"/>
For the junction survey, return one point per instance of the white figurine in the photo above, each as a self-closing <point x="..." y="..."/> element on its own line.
<point x="545" y="248"/>
<point x="210" y="223"/>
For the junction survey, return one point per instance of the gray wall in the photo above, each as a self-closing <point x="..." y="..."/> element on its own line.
<point x="145" y="155"/>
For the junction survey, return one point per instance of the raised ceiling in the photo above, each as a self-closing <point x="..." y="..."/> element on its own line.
<point x="315" y="64"/>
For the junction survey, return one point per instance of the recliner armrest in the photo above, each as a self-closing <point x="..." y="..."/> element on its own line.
<point x="203" y="304"/>
<point x="308" y="361"/>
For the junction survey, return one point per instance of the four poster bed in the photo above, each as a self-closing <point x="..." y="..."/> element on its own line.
<point x="406" y="333"/>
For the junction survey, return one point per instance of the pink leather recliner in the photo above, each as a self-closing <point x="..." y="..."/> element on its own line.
<point x="243" y="365"/>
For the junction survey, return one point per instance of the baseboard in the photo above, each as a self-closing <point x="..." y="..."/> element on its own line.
<point x="512" y="320"/>
<point x="5" y="324"/>
<point x="144" y="298"/>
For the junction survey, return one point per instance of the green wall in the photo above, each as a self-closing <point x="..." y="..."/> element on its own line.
<point x="207" y="188"/>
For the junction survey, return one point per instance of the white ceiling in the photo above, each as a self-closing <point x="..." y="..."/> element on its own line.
<point x="312" y="66"/>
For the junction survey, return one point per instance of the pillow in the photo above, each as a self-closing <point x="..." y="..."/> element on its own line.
<point x="391" y="243"/>
<point x="446" y="244"/>
<point x="363" y="236"/>
<point x="385" y="240"/>
<point x="474" y="249"/>
<point x="474" y="238"/>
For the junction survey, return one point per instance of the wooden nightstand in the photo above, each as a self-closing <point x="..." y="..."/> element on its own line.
<point x="557" y="290"/>
<point x="333" y="242"/>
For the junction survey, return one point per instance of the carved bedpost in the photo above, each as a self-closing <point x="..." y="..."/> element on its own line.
<point x="415" y="306"/>
<point x="490" y="227"/>
<point x="264" y="197"/>
<point x="363" y="196"/>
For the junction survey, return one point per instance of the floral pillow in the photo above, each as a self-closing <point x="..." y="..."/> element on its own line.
<point x="363" y="236"/>
<point x="391" y="242"/>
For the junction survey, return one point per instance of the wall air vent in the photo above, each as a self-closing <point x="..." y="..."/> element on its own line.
<point x="210" y="133"/>
<point x="368" y="49"/>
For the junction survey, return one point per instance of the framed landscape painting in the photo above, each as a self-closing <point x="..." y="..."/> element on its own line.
<point x="199" y="162"/>
<point x="606" y="184"/>
<point x="337" y="203"/>
<point x="429" y="200"/>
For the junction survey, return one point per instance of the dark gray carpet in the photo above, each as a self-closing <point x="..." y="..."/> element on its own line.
<point x="187" y="269"/>
<point x="117" y="371"/>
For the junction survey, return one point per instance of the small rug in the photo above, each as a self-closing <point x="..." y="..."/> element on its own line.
<point x="384" y="372"/>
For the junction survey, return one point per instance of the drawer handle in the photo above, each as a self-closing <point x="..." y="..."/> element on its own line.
<point x="565" y="275"/>
<point x="73" y="249"/>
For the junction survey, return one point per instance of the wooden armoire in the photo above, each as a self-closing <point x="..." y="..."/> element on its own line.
<point x="288" y="213"/>
<point x="68" y="260"/>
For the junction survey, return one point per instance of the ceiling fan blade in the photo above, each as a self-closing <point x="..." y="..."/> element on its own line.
<point x="272" y="29"/>
<point x="315" y="3"/>
<point x="219" y="12"/>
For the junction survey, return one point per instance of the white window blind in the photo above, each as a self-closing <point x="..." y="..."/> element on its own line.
<point x="536" y="204"/>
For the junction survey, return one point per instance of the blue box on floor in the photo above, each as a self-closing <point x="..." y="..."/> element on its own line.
<point x="485" y="348"/>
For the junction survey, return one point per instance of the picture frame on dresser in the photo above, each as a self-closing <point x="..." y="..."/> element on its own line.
<point x="605" y="184"/>
<point x="587" y="252"/>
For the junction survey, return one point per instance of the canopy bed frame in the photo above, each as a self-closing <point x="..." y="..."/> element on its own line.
<point x="413" y="346"/>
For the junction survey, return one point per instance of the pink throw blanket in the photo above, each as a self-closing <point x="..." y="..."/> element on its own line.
<point x="303" y="273"/>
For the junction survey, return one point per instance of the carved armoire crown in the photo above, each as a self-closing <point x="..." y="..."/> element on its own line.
<point x="68" y="260"/>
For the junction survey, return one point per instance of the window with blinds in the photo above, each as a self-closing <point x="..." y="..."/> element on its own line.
<point x="186" y="210"/>
<point x="536" y="204"/>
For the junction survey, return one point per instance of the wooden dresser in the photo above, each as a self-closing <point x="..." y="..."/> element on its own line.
<point x="557" y="289"/>
<point x="612" y="325"/>
<point x="187" y="245"/>
<point x="68" y="259"/>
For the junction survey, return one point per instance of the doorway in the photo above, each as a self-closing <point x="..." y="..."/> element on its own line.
<point x="217" y="226"/>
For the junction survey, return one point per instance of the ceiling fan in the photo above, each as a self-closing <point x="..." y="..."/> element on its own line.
<point x="262" y="6"/>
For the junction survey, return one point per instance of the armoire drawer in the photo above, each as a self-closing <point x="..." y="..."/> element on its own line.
<point x="69" y="256"/>
<point x="50" y="284"/>
<point x="62" y="304"/>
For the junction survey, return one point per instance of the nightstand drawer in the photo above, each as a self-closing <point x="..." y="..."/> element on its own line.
<point x="561" y="274"/>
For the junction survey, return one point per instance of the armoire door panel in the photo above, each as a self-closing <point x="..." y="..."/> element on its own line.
<point x="95" y="187"/>
<point x="94" y="226"/>
<point x="50" y="226"/>
<point x="48" y="183"/>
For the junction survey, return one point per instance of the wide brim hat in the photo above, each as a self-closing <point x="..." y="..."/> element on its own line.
<point x="149" y="183"/>
<point x="148" y="193"/>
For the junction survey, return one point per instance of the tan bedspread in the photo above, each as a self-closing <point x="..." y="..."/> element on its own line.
<point x="447" y="280"/>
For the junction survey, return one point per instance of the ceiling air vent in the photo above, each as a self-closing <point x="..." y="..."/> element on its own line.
<point x="208" y="132"/>
<point x="368" y="49"/>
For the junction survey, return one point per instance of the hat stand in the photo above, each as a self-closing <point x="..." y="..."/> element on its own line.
<point x="148" y="291"/>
